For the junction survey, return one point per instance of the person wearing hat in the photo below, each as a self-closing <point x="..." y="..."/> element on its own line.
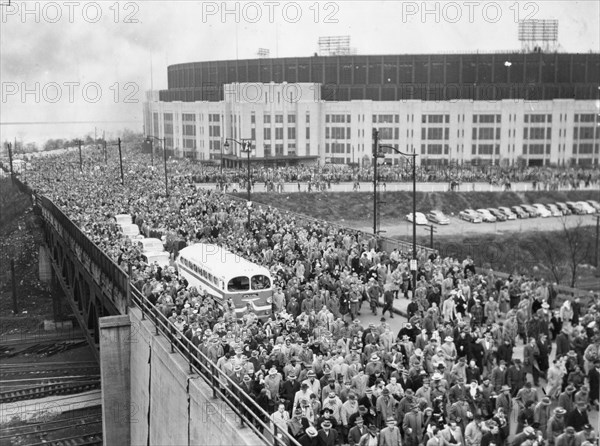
<point x="528" y="433"/>
<point x="385" y="407"/>
<point x="327" y="435"/>
<point x="452" y="433"/>
<point x="296" y="424"/>
<point x="310" y="437"/>
<point x="289" y="389"/>
<point x="390" y="434"/>
<point x="567" y="438"/>
<point x="357" y="431"/>
<point x="498" y="377"/>
<point x="566" y="399"/>
<point x="504" y="400"/>
<point x="578" y="417"/>
<point x="314" y="385"/>
<point x="334" y="404"/>
<point x="556" y="425"/>
<point x="349" y="407"/>
<point x="587" y="434"/>
<point x="412" y="426"/>
<point x="542" y="413"/>
<point x="527" y="393"/>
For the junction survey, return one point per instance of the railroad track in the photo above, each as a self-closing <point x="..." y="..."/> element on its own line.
<point x="25" y="371"/>
<point x="42" y="348"/>
<point x="31" y="432"/>
<point x="79" y="440"/>
<point x="56" y="388"/>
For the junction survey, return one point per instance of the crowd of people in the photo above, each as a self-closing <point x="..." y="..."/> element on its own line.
<point x="449" y="376"/>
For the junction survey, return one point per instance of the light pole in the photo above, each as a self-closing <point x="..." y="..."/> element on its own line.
<point x="413" y="265"/>
<point x="247" y="148"/>
<point x="118" y="144"/>
<point x="164" y="143"/>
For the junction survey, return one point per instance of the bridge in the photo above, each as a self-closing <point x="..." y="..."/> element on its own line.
<point x="157" y="386"/>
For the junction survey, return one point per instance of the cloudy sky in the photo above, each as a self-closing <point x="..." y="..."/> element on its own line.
<point x="69" y="67"/>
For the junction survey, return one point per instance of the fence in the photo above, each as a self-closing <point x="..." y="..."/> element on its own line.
<point x="244" y="406"/>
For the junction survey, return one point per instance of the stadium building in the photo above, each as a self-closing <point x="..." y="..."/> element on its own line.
<point x="528" y="108"/>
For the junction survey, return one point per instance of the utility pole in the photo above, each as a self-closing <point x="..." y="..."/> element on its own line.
<point x="375" y="154"/>
<point x="165" y="162"/>
<point x="105" y="153"/>
<point x="597" y="237"/>
<point x="80" y="157"/>
<point x="10" y="160"/>
<point x="121" y="161"/>
<point x="14" y="286"/>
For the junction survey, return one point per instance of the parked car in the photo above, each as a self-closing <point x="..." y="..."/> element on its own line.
<point x="521" y="213"/>
<point x="438" y="217"/>
<point x="487" y="216"/>
<point x="575" y="208"/>
<point x="151" y="245"/>
<point x="554" y="210"/>
<point x="533" y="212"/>
<point x="420" y="220"/>
<point x="161" y="258"/>
<point x="470" y="215"/>
<point x="132" y="231"/>
<point x="564" y="208"/>
<point x="123" y="219"/>
<point x="510" y="215"/>
<point x="594" y="204"/>
<point x="498" y="214"/>
<point x="588" y="208"/>
<point x="542" y="210"/>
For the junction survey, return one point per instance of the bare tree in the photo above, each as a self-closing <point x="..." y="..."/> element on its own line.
<point x="577" y="246"/>
<point x="552" y="255"/>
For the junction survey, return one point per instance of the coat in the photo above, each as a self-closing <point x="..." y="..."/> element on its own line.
<point x="414" y="422"/>
<point x="355" y="434"/>
<point x="390" y="436"/>
<point x="328" y="440"/>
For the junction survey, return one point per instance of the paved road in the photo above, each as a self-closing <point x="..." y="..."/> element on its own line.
<point x="393" y="187"/>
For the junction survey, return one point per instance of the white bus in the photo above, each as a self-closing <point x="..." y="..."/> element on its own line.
<point x="226" y="276"/>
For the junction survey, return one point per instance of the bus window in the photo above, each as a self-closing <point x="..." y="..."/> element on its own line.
<point x="238" y="284"/>
<point x="260" y="282"/>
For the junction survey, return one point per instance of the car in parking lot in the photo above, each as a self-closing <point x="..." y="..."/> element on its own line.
<point x="420" y="220"/>
<point x="542" y="210"/>
<point x="510" y="215"/>
<point x="588" y="208"/>
<point x="575" y="208"/>
<point x="556" y="212"/>
<point x="521" y="213"/>
<point x="533" y="212"/>
<point x="594" y="204"/>
<point x="162" y="258"/>
<point x="470" y="215"/>
<point x="132" y="231"/>
<point x="498" y="214"/>
<point x="438" y="217"/>
<point x="487" y="216"/>
<point x="564" y="208"/>
<point x="123" y="219"/>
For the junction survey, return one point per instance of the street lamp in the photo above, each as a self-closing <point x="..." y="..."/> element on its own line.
<point x="413" y="265"/>
<point x="247" y="148"/>
<point x="164" y="141"/>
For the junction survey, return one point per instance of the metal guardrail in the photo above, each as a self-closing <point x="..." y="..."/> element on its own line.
<point x="243" y="405"/>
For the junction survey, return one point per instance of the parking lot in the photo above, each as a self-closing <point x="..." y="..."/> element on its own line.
<point x="460" y="227"/>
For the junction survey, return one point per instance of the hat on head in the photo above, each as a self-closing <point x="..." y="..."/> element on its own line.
<point x="237" y="368"/>
<point x="570" y="430"/>
<point x="326" y="423"/>
<point x="529" y="431"/>
<point x="418" y="352"/>
<point x="292" y="376"/>
<point x="312" y="432"/>
<point x="247" y="378"/>
<point x="311" y="373"/>
<point x="362" y="407"/>
<point x="505" y="388"/>
<point x="390" y="420"/>
<point x="546" y="401"/>
<point x="559" y="411"/>
<point x="273" y="371"/>
<point x="587" y="427"/>
<point x="448" y="339"/>
<point x="374" y="357"/>
<point x="303" y="403"/>
<point x="386" y="391"/>
<point x="570" y="388"/>
<point x="437" y="377"/>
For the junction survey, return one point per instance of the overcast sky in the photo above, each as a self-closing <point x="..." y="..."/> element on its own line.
<point x="90" y="62"/>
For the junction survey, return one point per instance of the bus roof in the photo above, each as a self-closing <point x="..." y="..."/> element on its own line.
<point x="221" y="262"/>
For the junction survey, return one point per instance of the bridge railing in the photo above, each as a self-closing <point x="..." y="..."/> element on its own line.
<point x="242" y="404"/>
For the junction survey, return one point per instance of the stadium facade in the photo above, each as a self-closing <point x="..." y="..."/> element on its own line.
<point x="501" y="108"/>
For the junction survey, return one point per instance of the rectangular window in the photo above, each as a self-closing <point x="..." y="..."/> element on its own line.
<point x="307" y="118"/>
<point x="267" y="133"/>
<point x="486" y="149"/>
<point x="291" y="132"/>
<point x="267" y="119"/>
<point x="486" y="133"/>
<point x="537" y="133"/>
<point x="435" y="133"/>
<point x="291" y="119"/>
<point x="253" y="118"/>
<point x="278" y="119"/>
<point x="267" y="148"/>
<point x="188" y="117"/>
<point x="307" y="132"/>
<point x="279" y="133"/>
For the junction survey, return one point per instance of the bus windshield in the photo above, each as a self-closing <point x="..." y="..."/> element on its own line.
<point x="260" y="282"/>
<point x="240" y="283"/>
